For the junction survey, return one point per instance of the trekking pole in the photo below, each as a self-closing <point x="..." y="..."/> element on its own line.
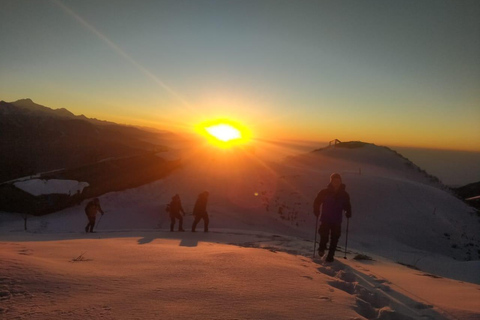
<point x="98" y="223"/>
<point x="346" y="240"/>
<point x="315" y="242"/>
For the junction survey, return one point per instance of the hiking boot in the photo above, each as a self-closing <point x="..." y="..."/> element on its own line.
<point x="321" y="253"/>
<point x="329" y="259"/>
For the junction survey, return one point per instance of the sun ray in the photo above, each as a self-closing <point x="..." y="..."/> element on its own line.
<point x="122" y="53"/>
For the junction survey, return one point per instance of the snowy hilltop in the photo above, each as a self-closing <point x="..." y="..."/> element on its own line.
<point x="413" y="247"/>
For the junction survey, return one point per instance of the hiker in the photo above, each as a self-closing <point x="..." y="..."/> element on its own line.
<point x="174" y="208"/>
<point x="334" y="201"/>
<point x="200" y="211"/>
<point x="91" y="211"/>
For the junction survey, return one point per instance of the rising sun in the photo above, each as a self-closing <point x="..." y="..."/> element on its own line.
<point x="224" y="133"/>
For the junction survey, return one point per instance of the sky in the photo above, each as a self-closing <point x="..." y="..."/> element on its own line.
<point x="396" y="73"/>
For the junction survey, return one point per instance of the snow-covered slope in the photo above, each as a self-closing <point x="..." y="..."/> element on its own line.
<point x="398" y="210"/>
<point x="401" y="217"/>
<point x="163" y="275"/>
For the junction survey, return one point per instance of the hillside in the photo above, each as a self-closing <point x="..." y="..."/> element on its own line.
<point x="220" y="275"/>
<point x="52" y="191"/>
<point x="420" y="244"/>
<point x="59" y="139"/>
<point x="398" y="212"/>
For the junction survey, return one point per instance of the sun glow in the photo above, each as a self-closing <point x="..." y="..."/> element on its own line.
<point x="224" y="133"/>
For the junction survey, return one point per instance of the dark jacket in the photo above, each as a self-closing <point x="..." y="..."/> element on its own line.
<point x="200" y="208"/>
<point x="92" y="208"/>
<point x="175" y="207"/>
<point x="333" y="204"/>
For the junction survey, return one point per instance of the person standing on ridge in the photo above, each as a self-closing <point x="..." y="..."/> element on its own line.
<point x="200" y="211"/>
<point x="91" y="211"/>
<point x="174" y="208"/>
<point x="334" y="201"/>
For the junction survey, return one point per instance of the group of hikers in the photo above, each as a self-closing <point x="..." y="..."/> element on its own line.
<point x="199" y="212"/>
<point x="330" y="204"/>
<point x="174" y="208"/>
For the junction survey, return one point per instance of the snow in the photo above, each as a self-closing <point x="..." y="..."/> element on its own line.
<point x="125" y="278"/>
<point x="426" y="289"/>
<point x="255" y="263"/>
<point x="220" y="275"/>
<point x="39" y="187"/>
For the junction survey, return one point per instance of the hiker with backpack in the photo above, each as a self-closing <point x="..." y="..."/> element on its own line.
<point x="174" y="208"/>
<point x="91" y="212"/>
<point x="200" y="211"/>
<point x="334" y="201"/>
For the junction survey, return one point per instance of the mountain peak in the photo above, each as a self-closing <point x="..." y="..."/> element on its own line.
<point x="25" y="100"/>
<point x="361" y="157"/>
<point x="28" y="104"/>
<point x="346" y="145"/>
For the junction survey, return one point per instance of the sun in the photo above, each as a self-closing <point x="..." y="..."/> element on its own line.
<point x="224" y="133"/>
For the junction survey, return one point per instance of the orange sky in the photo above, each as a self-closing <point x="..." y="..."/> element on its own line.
<point x="403" y="74"/>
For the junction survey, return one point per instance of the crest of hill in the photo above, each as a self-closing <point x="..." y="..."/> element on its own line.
<point x="28" y="104"/>
<point x="362" y="157"/>
<point x="59" y="139"/>
<point x="27" y="107"/>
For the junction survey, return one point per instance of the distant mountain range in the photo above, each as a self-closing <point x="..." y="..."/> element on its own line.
<point x="35" y="138"/>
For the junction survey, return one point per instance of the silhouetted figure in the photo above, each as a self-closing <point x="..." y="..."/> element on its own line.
<point x="174" y="208"/>
<point x="200" y="211"/>
<point x="91" y="211"/>
<point x="334" y="201"/>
